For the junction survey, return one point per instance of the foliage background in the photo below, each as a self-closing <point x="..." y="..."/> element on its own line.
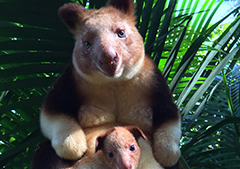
<point x="199" y="58"/>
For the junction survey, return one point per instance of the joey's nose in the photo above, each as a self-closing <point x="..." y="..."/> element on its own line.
<point x="126" y="164"/>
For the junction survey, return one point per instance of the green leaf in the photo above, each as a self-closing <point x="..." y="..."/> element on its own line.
<point x="210" y="131"/>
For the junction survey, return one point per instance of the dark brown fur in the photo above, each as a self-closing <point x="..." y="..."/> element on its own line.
<point x="46" y="158"/>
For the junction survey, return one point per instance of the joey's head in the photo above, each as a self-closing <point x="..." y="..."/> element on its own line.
<point x="120" y="147"/>
<point x="108" y="46"/>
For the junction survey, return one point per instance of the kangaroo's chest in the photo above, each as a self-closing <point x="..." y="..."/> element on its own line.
<point x="120" y="104"/>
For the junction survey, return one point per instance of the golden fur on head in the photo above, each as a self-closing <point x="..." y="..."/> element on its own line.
<point x="106" y="47"/>
<point x="120" y="147"/>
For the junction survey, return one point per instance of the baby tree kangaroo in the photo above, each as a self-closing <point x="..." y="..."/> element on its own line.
<point x="109" y="80"/>
<point x="120" y="147"/>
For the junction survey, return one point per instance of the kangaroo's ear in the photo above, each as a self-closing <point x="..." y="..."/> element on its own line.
<point x="136" y="132"/>
<point x="126" y="6"/>
<point x="99" y="144"/>
<point x="72" y="15"/>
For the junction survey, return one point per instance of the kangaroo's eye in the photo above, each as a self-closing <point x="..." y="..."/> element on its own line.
<point x="87" y="44"/>
<point x="121" y="34"/>
<point x="132" y="148"/>
<point x="110" y="154"/>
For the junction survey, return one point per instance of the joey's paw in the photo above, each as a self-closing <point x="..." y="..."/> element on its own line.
<point x="167" y="155"/>
<point x="71" y="147"/>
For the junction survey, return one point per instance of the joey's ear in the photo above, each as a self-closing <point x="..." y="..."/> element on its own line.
<point x="72" y="15"/>
<point x="126" y="6"/>
<point x="137" y="132"/>
<point x="99" y="144"/>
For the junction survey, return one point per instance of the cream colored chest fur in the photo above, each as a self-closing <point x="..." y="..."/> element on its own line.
<point x="122" y="103"/>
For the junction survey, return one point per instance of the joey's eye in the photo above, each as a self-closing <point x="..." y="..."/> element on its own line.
<point x="121" y="34"/>
<point x="110" y="154"/>
<point x="132" y="148"/>
<point x="87" y="44"/>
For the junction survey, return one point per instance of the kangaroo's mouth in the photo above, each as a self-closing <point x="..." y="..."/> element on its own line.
<point x="114" y="70"/>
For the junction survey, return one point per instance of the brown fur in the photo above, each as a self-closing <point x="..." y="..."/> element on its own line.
<point x="109" y="81"/>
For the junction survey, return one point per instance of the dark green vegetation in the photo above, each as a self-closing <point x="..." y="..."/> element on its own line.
<point x="199" y="60"/>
